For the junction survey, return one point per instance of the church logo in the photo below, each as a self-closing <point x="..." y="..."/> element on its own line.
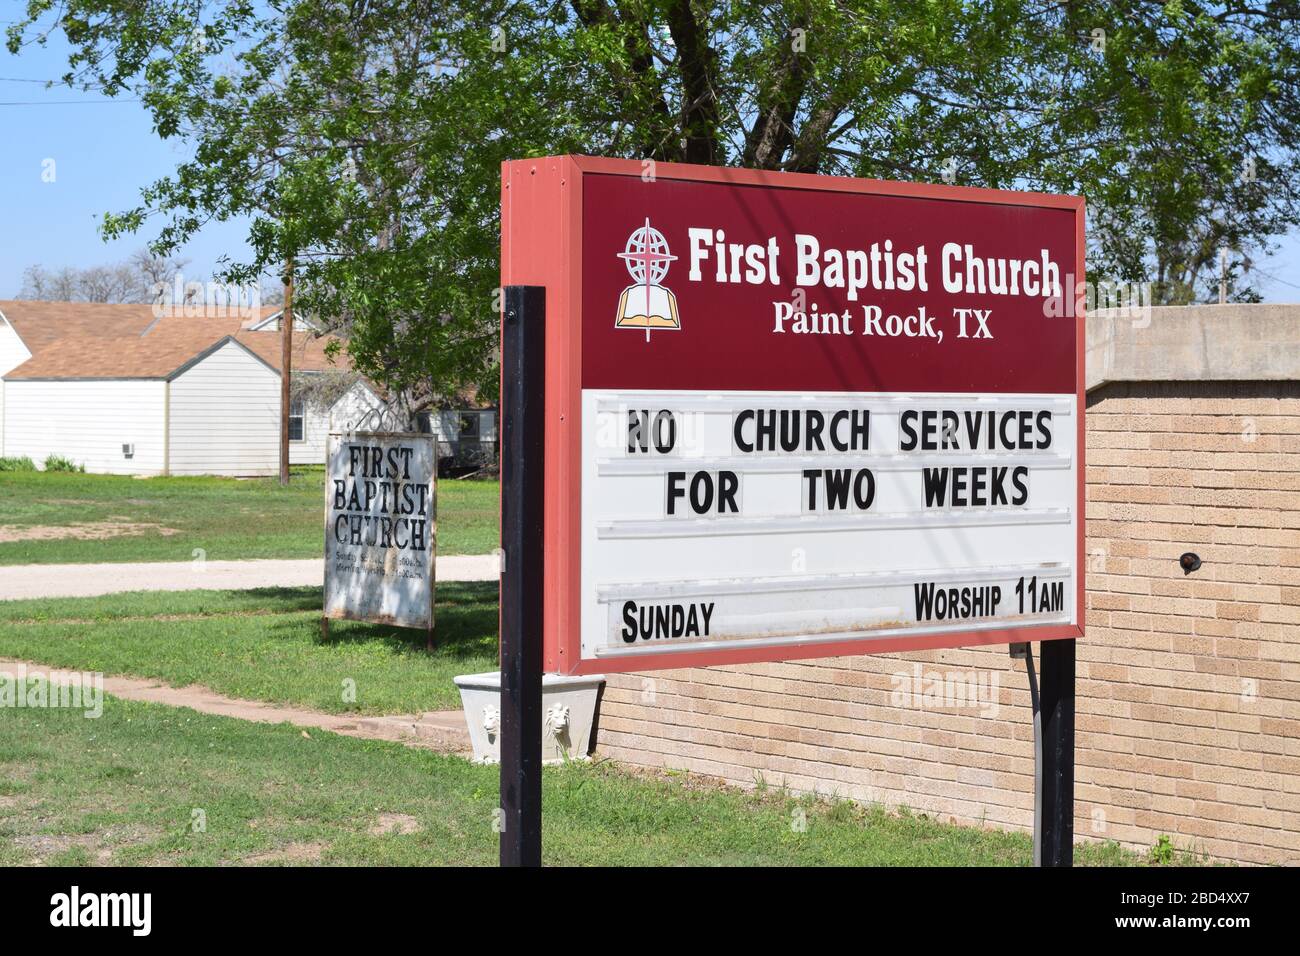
<point x="646" y="303"/>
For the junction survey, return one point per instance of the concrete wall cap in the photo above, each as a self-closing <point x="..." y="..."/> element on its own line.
<point x="1241" y="342"/>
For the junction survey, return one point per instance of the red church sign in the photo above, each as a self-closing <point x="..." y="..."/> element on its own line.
<point x="799" y="416"/>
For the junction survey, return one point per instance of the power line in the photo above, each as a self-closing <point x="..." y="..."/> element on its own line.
<point x="1269" y="275"/>
<point x="62" y="102"/>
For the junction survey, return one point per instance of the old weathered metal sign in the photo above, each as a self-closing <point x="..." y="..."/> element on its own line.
<point x="381" y="528"/>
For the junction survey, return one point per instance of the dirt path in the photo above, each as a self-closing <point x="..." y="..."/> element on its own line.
<point x="444" y="731"/>
<point x="87" y="580"/>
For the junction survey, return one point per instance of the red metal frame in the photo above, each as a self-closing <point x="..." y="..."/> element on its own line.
<point x="541" y="233"/>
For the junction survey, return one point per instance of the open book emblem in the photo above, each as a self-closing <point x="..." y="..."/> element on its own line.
<point x="646" y="304"/>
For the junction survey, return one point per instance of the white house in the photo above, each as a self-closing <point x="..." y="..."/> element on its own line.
<point x="118" y="390"/>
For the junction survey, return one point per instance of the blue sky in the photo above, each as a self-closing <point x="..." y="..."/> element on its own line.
<point x="104" y="151"/>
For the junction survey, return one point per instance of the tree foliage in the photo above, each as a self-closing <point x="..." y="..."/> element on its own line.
<point x="365" y="136"/>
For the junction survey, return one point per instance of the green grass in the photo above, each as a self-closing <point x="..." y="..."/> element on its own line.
<point x="262" y="645"/>
<point x="227" y="518"/>
<point x="124" y="789"/>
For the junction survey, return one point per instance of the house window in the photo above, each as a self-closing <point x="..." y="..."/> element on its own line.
<point x="295" y="420"/>
<point x="468" y="425"/>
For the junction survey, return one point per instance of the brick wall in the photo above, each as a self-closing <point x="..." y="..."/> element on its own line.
<point x="1188" y="687"/>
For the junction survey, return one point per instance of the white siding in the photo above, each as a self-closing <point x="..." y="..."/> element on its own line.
<point x="88" y="422"/>
<point x="347" y="414"/>
<point x="12" y="354"/>
<point x="445" y="425"/>
<point x="353" y="411"/>
<point x="272" y="323"/>
<point x="225" y="416"/>
<point x="315" y="429"/>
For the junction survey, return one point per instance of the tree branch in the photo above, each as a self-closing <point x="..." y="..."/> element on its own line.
<point x="697" y="63"/>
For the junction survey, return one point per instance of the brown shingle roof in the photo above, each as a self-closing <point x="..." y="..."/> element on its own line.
<point x="94" y="340"/>
<point x="308" y="350"/>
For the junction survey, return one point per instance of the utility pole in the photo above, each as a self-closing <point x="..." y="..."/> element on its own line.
<point x="1223" y="275"/>
<point x="286" y="368"/>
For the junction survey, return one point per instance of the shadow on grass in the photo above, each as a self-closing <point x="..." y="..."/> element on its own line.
<point x="465" y="624"/>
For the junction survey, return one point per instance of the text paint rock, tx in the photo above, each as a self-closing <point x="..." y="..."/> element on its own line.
<point x="380" y="528"/>
<point x="797" y="416"/>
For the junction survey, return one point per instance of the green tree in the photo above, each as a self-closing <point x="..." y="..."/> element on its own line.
<point x="389" y="118"/>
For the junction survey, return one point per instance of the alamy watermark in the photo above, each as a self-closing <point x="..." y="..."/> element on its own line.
<point x="1127" y="300"/>
<point x="944" y="690"/>
<point x="205" y="300"/>
<point x="71" y="690"/>
<point x="133" y="911"/>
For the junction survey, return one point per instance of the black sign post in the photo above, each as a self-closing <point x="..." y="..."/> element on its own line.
<point x="523" y="394"/>
<point x="1054" y="843"/>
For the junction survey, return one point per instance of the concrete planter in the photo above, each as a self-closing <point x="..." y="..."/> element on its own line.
<point x="568" y="715"/>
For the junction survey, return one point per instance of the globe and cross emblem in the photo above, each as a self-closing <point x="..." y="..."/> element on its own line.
<point x="646" y="304"/>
